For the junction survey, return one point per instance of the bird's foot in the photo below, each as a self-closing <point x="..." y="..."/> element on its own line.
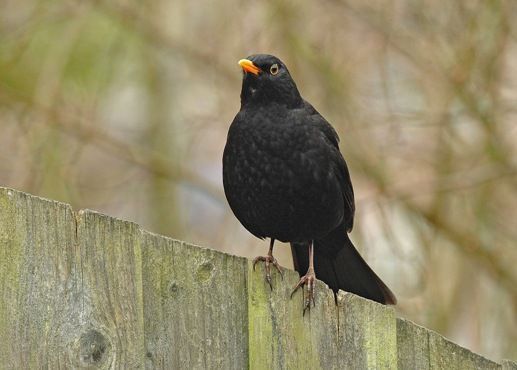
<point x="308" y="280"/>
<point x="269" y="260"/>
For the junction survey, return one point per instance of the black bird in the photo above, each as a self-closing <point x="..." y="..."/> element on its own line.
<point x="285" y="179"/>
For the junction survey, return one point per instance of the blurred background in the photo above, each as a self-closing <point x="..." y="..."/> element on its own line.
<point x="123" y="107"/>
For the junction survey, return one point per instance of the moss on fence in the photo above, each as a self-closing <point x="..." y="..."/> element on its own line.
<point x="87" y="290"/>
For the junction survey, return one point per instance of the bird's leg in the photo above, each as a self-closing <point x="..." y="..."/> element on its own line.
<point x="309" y="280"/>
<point x="269" y="260"/>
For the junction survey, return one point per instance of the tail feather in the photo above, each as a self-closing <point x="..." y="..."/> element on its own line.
<point x="340" y="266"/>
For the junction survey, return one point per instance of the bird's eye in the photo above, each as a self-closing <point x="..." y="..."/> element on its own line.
<point x="274" y="69"/>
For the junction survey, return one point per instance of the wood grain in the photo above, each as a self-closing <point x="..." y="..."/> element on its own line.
<point x="196" y="313"/>
<point x="90" y="291"/>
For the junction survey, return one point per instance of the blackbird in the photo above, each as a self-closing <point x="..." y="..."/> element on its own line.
<point x="285" y="179"/>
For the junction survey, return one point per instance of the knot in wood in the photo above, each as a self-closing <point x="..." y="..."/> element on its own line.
<point x="93" y="347"/>
<point x="205" y="271"/>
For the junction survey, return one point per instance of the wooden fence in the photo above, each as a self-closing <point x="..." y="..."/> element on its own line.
<point x="84" y="290"/>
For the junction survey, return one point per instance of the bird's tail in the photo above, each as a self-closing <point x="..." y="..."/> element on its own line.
<point x="340" y="266"/>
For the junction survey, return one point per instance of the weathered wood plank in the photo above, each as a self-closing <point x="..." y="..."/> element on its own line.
<point x="421" y="348"/>
<point x="67" y="300"/>
<point x="368" y="335"/>
<point x="280" y="336"/>
<point x="509" y="365"/>
<point x="36" y="285"/>
<point x="196" y="314"/>
<point x="412" y="346"/>
<point x="443" y="354"/>
<point x="111" y="277"/>
<point x="91" y="291"/>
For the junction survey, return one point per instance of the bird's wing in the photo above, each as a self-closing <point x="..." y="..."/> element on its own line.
<point x="339" y="162"/>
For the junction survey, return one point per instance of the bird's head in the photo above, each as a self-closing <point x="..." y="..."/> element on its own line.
<point x="266" y="80"/>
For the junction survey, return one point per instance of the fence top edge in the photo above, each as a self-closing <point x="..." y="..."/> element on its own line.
<point x="11" y="192"/>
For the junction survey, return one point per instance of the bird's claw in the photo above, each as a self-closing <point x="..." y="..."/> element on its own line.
<point x="308" y="280"/>
<point x="268" y="260"/>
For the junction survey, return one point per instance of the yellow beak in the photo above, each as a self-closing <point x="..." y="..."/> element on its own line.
<point x="248" y="66"/>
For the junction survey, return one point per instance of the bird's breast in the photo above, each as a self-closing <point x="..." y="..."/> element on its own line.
<point x="279" y="181"/>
